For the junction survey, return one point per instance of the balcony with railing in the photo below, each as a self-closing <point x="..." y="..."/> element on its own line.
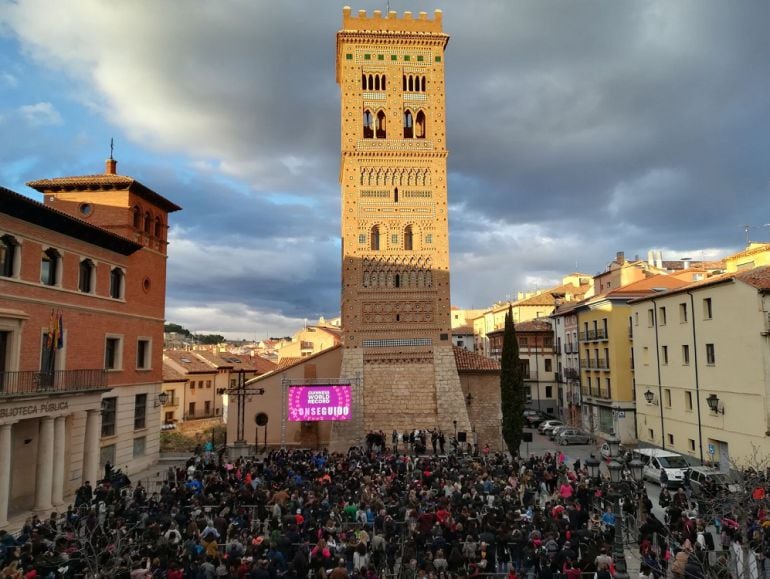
<point x="594" y="364"/>
<point x="171" y="402"/>
<point x="592" y="335"/>
<point x="28" y="383"/>
<point x="571" y="374"/>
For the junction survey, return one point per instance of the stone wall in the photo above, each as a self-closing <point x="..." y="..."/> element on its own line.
<point x="484" y="410"/>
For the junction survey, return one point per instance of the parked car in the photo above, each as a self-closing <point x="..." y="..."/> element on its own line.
<point x="534" y="418"/>
<point x="707" y="482"/>
<point x="574" y="436"/>
<point x="554" y="432"/>
<point x="548" y="425"/>
<point x="657" y="460"/>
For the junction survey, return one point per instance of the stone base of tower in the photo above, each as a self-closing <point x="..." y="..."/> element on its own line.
<point x="401" y="391"/>
<point x="345" y="434"/>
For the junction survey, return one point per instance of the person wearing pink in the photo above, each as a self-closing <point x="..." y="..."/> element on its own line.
<point x="565" y="490"/>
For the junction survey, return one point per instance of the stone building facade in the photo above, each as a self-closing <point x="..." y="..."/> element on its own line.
<point x="395" y="271"/>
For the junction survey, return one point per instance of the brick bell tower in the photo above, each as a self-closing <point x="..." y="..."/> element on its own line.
<point x="395" y="242"/>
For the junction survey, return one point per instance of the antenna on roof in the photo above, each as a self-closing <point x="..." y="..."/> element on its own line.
<point x="112" y="147"/>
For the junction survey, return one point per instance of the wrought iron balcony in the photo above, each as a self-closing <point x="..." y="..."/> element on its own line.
<point x="27" y="383"/>
<point x="598" y="334"/>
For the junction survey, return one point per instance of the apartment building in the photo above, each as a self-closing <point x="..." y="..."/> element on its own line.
<point x="606" y="357"/>
<point x="703" y="364"/>
<point x="538" y="358"/>
<point x="529" y="306"/>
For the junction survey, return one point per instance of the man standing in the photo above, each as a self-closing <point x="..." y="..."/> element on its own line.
<point x="394" y="441"/>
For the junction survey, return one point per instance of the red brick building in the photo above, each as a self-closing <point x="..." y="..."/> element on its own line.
<point x="82" y="300"/>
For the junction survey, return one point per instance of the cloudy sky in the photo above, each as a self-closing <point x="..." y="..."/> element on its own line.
<point x="576" y="129"/>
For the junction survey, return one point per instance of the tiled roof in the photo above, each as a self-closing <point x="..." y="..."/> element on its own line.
<point x="759" y="277"/>
<point x="646" y="286"/>
<point x="529" y="326"/>
<point x="287" y="363"/>
<point x="462" y="330"/>
<point x="170" y="374"/>
<point x="238" y="362"/>
<point x="31" y="211"/>
<point x="105" y="181"/>
<point x="533" y="326"/>
<point x="471" y="362"/>
<point x="190" y="362"/>
<point x="284" y="363"/>
<point x="713" y="280"/>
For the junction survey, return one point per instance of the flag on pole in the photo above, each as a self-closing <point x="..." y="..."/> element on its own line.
<point x="59" y="332"/>
<point x="49" y="340"/>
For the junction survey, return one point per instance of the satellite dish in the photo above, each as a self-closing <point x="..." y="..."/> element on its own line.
<point x="260" y="418"/>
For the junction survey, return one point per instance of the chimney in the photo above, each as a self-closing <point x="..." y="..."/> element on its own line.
<point x="110" y="167"/>
<point x="620" y="257"/>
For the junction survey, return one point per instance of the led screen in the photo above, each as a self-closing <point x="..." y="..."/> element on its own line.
<point x="319" y="403"/>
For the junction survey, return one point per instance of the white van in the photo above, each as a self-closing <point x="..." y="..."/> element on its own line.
<point x="656" y="460"/>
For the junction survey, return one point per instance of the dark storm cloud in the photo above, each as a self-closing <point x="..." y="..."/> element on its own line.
<point x="576" y="130"/>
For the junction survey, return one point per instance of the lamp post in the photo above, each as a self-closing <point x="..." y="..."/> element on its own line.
<point x="618" y="488"/>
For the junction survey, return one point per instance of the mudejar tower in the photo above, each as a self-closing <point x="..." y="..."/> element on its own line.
<point x="395" y="247"/>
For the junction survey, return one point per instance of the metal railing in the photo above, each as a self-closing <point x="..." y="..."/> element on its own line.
<point x="25" y="383"/>
<point x="595" y="364"/>
<point x="598" y="334"/>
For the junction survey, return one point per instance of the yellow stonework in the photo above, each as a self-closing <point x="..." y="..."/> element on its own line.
<point x="395" y="258"/>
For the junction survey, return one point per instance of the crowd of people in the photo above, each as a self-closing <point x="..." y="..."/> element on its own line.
<point x="372" y="512"/>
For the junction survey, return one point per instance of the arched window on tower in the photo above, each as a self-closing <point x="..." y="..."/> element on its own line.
<point x="420" y="125"/>
<point x="376" y="82"/>
<point x="408" y="238"/>
<point x="381" y="125"/>
<point x="147" y="222"/>
<point x="411" y="83"/>
<point x="404" y="81"/>
<point x="423" y="84"/>
<point x="363" y="82"/>
<point x="137" y="217"/>
<point x="158" y="228"/>
<point x="374" y="242"/>
<point x="383" y="82"/>
<point x="397" y="280"/>
<point x="408" y="125"/>
<point x="368" y="125"/>
<point x="395" y="195"/>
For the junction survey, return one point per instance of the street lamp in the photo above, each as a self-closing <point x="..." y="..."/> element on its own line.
<point x="649" y="396"/>
<point x="713" y="402"/>
<point x="618" y="488"/>
<point x="614" y="443"/>
<point x="162" y="399"/>
<point x="593" y="465"/>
